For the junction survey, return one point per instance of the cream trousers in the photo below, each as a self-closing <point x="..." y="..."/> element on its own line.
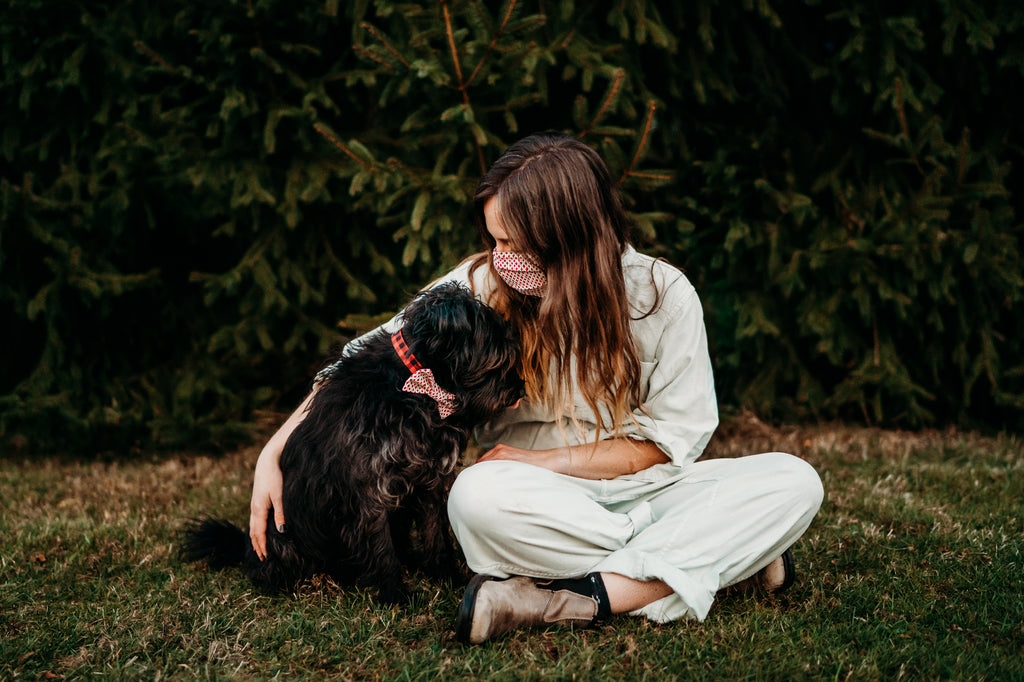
<point x="699" y="528"/>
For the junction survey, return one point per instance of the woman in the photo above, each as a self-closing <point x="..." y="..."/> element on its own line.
<point x="588" y="500"/>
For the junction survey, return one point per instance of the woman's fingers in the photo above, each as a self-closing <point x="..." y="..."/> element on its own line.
<point x="258" y="527"/>
<point x="278" y="505"/>
<point x="267" y="490"/>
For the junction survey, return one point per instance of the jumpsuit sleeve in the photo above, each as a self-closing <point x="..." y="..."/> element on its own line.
<point x="680" y="410"/>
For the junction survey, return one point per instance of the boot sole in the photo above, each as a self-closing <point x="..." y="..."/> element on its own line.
<point x="464" y="618"/>
<point x="789" y="567"/>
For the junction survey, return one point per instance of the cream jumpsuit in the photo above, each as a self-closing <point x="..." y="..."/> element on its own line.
<point x="698" y="526"/>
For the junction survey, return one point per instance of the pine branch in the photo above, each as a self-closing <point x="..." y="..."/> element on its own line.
<point x="620" y="75"/>
<point x="650" y="176"/>
<point x="876" y="352"/>
<point x="363" y="52"/>
<point x="380" y="38"/>
<point x="146" y="50"/>
<point x="458" y="75"/>
<point x="494" y="41"/>
<point x="482" y="14"/>
<point x="898" y="89"/>
<point x="330" y="137"/>
<point x="631" y="171"/>
<point x="564" y="45"/>
<point x="455" y="53"/>
<point x="964" y="138"/>
<point x="25" y="189"/>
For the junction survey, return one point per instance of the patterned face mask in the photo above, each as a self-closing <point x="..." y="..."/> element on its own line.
<point x="520" y="272"/>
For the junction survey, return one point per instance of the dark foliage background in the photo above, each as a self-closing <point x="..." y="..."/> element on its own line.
<point x="192" y="195"/>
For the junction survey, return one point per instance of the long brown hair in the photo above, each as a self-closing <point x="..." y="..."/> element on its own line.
<point x="558" y="204"/>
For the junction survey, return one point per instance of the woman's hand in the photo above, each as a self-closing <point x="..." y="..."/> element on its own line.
<point x="267" y="487"/>
<point x="268" y="484"/>
<point x="556" y="460"/>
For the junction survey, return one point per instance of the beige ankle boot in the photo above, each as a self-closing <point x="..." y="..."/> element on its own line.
<point x="492" y="607"/>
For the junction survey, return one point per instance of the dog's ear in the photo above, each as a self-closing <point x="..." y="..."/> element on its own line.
<point x="440" y="321"/>
<point x="455" y="335"/>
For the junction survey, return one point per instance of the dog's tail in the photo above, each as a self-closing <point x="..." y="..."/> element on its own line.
<point x="216" y="542"/>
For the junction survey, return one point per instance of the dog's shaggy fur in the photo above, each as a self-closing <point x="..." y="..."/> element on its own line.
<point x="369" y="460"/>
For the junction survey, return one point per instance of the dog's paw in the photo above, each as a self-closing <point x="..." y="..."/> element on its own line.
<point x="393" y="594"/>
<point x="441" y="565"/>
<point x="444" y="568"/>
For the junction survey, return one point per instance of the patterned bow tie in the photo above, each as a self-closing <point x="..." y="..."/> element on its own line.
<point x="422" y="380"/>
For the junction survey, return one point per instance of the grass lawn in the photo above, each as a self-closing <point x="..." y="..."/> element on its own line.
<point x="913" y="569"/>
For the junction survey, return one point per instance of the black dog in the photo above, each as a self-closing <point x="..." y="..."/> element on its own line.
<point x="370" y="460"/>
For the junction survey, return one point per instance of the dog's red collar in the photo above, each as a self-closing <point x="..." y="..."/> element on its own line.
<point x="422" y="380"/>
<point x="398" y="341"/>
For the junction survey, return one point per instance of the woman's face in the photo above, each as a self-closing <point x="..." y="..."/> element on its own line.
<point x="493" y="223"/>
<point x="521" y="272"/>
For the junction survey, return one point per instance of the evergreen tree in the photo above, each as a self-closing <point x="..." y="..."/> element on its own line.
<point x="192" y="196"/>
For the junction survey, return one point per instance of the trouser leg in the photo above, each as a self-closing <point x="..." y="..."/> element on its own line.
<point x="720" y="522"/>
<point x="512" y="518"/>
<point x="731" y="517"/>
<point x="709" y="525"/>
